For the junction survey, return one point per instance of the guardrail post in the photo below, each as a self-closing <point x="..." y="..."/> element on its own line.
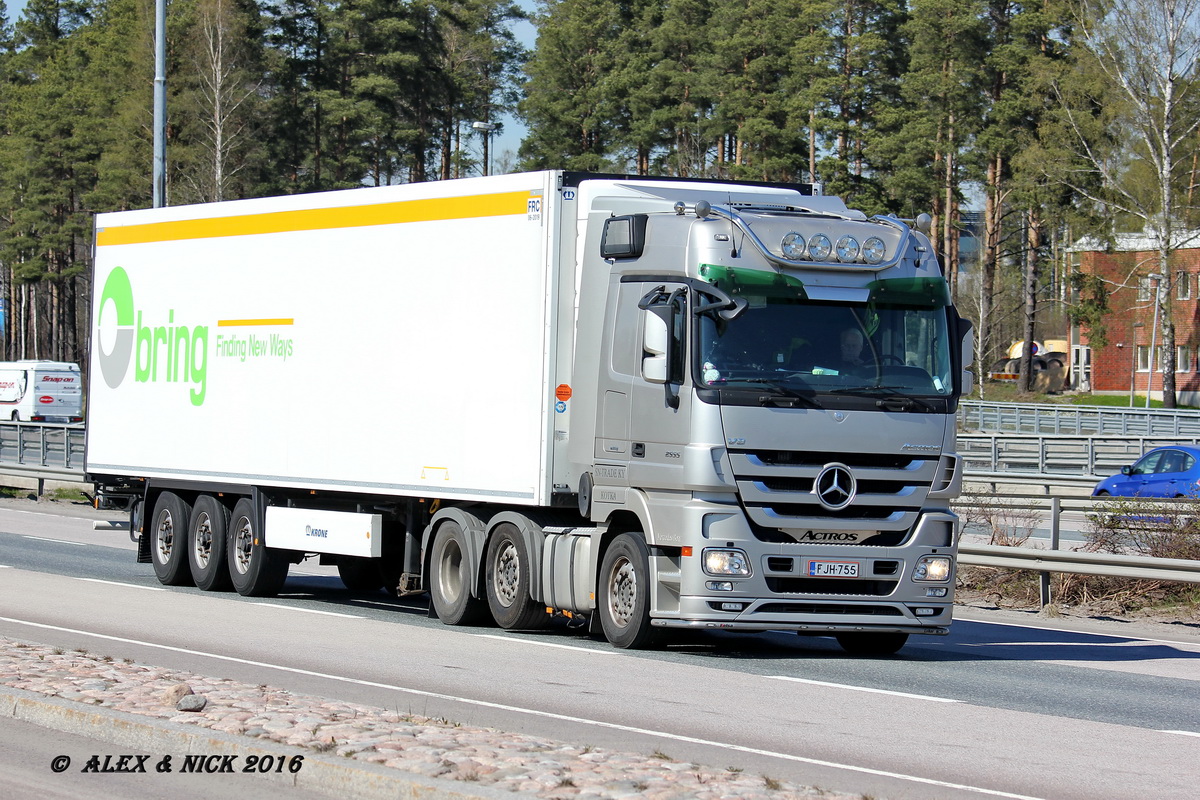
<point x="1044" y="578"/>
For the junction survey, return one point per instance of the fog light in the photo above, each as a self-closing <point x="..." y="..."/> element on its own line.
<point x="924" y="612"/>
<point x="719" y="586"/>
<point x="936" y="591"/>
<point x="932" y="568"/>
<point x="732" y="606"/>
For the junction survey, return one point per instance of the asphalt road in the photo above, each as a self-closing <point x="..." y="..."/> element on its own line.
<point x="1007" y="705"/>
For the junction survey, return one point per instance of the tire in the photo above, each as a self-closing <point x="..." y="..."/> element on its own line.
<point x="872" y="644"/>
<point x="624" y="594"/>
<point x="168" y="540"/>
<point x="255" y="569"/>
<point x="450" y="578"/>
<point x="361" y="575"/>
<point x="1102" y="493"/>
<point x="508" y="585"/>
<point x="208" y="535"/>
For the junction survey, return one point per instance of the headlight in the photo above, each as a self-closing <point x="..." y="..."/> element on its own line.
<point x="726" y="562"/>
<point x="819" y="247"/>
<point x="873" y="250"/>
<point x="932" y="568"/>
<point x="847" y="249"/>
<point x="792" y="246"/>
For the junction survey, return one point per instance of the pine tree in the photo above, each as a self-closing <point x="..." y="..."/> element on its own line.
<point x="754" y="52"/>
<point x="567" y="107"/>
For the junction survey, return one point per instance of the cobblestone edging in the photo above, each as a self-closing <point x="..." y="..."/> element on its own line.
<point x="476" y="757"/>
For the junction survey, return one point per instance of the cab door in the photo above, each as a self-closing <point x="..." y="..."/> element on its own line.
<point x="661" y="396"/>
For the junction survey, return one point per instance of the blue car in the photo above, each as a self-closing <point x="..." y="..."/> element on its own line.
<point x="1162" y="472"/>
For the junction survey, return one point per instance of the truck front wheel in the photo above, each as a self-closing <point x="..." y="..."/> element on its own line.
<point x="168" y="540"/>
<point x="451" y="578"/>
<point x="208" y="533"/>
<point x="508" y="570"/>
<point x="255" y="569"/>
<point x="624" y="602"/>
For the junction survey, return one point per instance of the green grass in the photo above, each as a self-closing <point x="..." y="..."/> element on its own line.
<point x="1005" y="392"/>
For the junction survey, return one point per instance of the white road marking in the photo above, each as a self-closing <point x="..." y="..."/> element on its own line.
<point x="56" y="541"/>
<point x="520" y="640"/>
<point x="1183" y="733"/>
<point x="126" y="585"/>
<point x="309" y="610"/>
<point x="864" y="689"/>
<point x="546" y="714"/>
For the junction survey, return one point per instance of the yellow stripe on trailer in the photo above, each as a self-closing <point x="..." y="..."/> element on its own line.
<point x="429" y="210"/>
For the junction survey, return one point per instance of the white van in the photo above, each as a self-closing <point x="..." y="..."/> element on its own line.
<point x="41" y="391"/>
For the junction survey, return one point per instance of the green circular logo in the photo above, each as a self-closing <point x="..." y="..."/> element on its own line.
<point x="116" y="312"/>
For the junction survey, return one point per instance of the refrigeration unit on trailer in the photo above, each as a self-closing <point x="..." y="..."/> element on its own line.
<point x="647" y="403"/>
<point x="40" y="391"/>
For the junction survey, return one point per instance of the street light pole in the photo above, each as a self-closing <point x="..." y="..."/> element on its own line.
<point x="1157" y="278"/>
<point x="486" y="129"/>
<point x="159" y="170"/>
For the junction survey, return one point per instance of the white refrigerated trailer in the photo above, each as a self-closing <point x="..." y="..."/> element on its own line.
<point x="610" y="397"/>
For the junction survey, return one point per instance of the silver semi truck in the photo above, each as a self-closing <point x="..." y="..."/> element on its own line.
<point x="645" y="403"/>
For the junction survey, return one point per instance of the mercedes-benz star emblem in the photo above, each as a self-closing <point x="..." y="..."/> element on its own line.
<point x="835" y="487"/>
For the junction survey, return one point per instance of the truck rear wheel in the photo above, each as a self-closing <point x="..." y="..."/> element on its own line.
<point x="624" y="601"/>
<point x="255" y="569"/>
<point x="507" y="576"/>
<point x="168" y="540"/>
<point x="450" y="578"/>
<point x="871" y="644"/>
<point x="208" y="533"/>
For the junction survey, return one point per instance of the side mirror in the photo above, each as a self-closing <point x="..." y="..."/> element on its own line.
<point x="656" y="341"/>
<point x="967" y="331"/>
<point x="1127" y="469"/>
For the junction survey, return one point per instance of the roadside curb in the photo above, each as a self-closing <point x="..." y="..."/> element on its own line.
<point x="320" y="773"/>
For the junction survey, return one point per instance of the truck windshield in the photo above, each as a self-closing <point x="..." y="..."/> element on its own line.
<point x="894" y="343"/>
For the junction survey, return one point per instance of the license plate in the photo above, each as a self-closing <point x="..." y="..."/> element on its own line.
<point x="833" y="569"/>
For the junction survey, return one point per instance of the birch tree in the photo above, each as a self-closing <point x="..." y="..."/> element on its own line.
<point x="1143" y="54"/>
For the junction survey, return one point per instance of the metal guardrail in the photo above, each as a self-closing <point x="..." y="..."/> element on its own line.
<point x="1051" y="454"/>
<point x="1115" y="565"/>
<point x="1040" y="418"/>
<point x="42" y="451"/>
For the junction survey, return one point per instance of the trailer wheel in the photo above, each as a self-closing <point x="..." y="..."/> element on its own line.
<point x="507" y="576"/>
<point x="361" y="575"/>
<point x="255" y="569"/>
<point x="450" y="578"/>
<point x="168" y="540"/>
<point x="871" y="644"/>
<point x="624" y="601"/>
<point x="208" y="533"/>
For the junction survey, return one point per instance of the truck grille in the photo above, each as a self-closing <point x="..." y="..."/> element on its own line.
<point x="777" y="490"/>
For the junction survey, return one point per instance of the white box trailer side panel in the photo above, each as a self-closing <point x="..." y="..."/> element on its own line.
<point x="390" y="340"/>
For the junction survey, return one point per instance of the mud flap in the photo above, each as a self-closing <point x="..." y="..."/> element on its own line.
<point x="143" y="549"/>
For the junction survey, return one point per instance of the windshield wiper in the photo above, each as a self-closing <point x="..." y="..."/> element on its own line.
<point x="783" y="393"/>
<point x="895" y="397"/>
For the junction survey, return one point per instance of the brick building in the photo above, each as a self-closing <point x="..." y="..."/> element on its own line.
<point x="1123" y="366"/>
